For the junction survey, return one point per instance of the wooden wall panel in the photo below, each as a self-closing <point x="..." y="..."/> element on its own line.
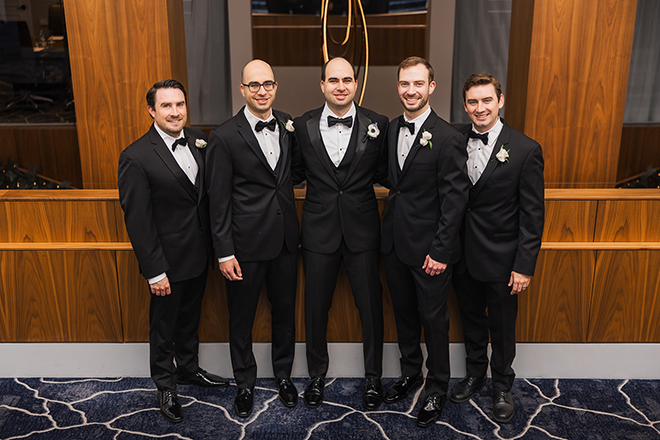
<point x="628" y="220"/>
<point x="556" y="308"/>
<point x="7" y="296"/>
<point x="569" y="220"/>
<point x="626" y="299"/>
<point x="134" y="297"/>
<point x="577" y="64"/>
<point x="214" y="325"/>
<point x="111" y="74"/>
<point x="640" y="149"/>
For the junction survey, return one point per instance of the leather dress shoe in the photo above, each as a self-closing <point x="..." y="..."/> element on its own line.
<point x="170" y="407"/>
<point x="243" y="403"/>
<point x="287" y="392"/>
<point x="313" y="396"/>
<point x="373" y="394"/>
<point x="431" y="411"/>
<point x="466" y="387"/>
<point x="204" y="379"/>
<point x="502" y="406"/>
<point x="400" y="389"/>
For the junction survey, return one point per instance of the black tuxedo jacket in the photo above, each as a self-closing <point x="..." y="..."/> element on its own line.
<point x="503" y="224"/>
<point x="335" y="209"/>
<point x="166" y="215"/>
<point x="428" y="197"/>
<point x="253" y="210"/>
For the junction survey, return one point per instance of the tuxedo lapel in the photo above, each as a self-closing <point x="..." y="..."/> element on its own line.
<point x="493" y="163"/>
<point x="315" y="139"/>
<point x="199" y="181"/>
<point x="284" y="141"/>
<point x="161" y="149"/>
<point x="361" y="125"/>
<point x="392" y="152"/>
<point x="248" y="136"/>
<point x="428" y="126"/>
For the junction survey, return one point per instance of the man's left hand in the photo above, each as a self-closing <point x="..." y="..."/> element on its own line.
<point x="433" y="267"/>
<point x="518" y="282"/>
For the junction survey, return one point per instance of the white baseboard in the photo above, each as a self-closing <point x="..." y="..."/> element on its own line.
<point x="602" y="361"/>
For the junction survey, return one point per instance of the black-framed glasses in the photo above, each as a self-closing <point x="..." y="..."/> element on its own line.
<point x="254" y="87"/>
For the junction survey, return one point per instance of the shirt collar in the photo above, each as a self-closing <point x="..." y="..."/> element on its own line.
<point x="494" y="131"/>
<point x="327" y="112"/>
<point x="169" y="140"/>
<point x="252" y="119"/>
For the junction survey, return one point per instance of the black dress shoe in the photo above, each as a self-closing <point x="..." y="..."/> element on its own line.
<point x="287" y="392"/>
<point x="243" y="403"/>
<point x="204" y="379"/>
<point x="313" y="396"/>
<point x="400" y="389"/>
<point x="431" y="411"/>
<point x="170" y="407"/>
<point x="502" y="406"/>
<point x="373" y="394"/>
<point x="466" y="387"/>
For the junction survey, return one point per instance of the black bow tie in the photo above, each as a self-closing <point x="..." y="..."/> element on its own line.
<point x="404" y="123"/>
<point x="181" y="141"/>
<point x="269" y="125"/>
<point x="482" y="136"/>
<point x="348" y="121"/>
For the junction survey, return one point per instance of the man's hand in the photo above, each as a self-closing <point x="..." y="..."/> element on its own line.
<point x="161" y="288"/>
<point x="231" y="270"/>
<point x="433" y="267"/>
<point x="518" y="282"/>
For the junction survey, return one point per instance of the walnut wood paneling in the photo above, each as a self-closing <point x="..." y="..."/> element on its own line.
<point x="7" y="296"/>
<point x="628" y="220"/>
<point x="296" y="40"/>
<point x="111" y="73"/>
<point x="214" y="324"/>
<point x="640" y="149"/>
<point x="569" y="220"/>
<point x="577" y="74"/>
<point x="556" y="308"/>
<point x="626" y="297"/>
<point x="134" y="297"/>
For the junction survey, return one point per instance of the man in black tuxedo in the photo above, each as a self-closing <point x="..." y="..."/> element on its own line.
<point x="342" y="148"/>
<point x="426" y="203"/>
<point x="161" y="190"/>
<point x="501" y="238"/>
<point x="255" y="228"/>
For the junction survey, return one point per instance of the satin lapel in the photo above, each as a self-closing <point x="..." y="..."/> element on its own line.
<point x="199" y="181"/>
<point x="317" y="143"/>
<point x="246" y="133"/>
<point x="284" y="141"/>
<point x="428" y="126"/>
<point x="493" y="163"/>
<point x="392" y="143"/>
<point x="361" y="141"/>
<point x="161" y="149"/>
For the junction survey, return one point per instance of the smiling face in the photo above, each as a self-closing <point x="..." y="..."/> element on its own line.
<point x="415" y="87"/>
<point x="169" y="112"/>
<point x="339" y="86"/>
<point x="482" y="106"/>
<point x="260" y="102"/>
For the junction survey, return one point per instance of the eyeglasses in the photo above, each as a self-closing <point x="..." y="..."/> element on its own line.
<point x="254" y="87"/>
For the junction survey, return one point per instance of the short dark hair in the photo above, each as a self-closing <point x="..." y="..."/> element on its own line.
<point x="480" y="79"/>
<point x="326" y="63"/>
<point x="413" y="61"/>
<point x="164" y="84"/>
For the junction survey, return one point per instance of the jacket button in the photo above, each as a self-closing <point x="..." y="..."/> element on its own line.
<point x="279" y="212"/>
<point x="468" y="210"/>
<point x="398" y="192"/>
<point x="341" y="192"/>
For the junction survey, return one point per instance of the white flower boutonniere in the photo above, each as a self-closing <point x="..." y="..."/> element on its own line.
<point x="200" y="143"/>
<point x="426" y="139"/>
<point x="373" y="131"/>
<point x="502" y="155"/>
<point x="288" y="126"/>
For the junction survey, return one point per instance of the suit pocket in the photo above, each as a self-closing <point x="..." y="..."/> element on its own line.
<point x="368" y="205"/>
<point x="314" y="207"/>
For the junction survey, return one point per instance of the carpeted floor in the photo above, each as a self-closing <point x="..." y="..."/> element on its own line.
<point x="125" y="409"/>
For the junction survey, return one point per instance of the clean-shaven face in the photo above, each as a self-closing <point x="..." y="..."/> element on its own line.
<point x="339" y="86"/>
<point x="170" y="113"/>
<point x="482" y="106"/>
<point x="414" y="89"/>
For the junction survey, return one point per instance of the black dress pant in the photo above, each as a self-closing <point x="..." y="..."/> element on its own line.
<point x="243" y="298"/>
<point x="321" y="272"/>
<point x="173" y="331"/>
<point x="474" y="298"/>
<point x="420" y="300"/>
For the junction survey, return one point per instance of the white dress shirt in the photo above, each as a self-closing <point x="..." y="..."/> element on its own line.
<point x="269" y="141"/>
<point x="478" y="153"/>
<point x="406" y="139"/>
<point x="337" y="137"/>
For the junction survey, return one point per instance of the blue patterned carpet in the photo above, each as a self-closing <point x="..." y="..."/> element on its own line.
<point x="125" y="409"/>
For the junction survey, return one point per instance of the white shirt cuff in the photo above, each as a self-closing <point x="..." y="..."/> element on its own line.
<point x="223" y="259"/>
<point x="157" y="278"/>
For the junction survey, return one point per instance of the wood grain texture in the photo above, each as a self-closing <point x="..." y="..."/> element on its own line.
<point x="556" y="307"/>
<point x="520" y="45"/>
<point x="628" y="221"/>
<point x="626" y="297"/>
<point x="576" y="87"/>
<point x="569" y="221"/>
<point x="134" y="297"/>
<point x="7" y="297"/>
<point x="111" y="74"/>
<point x="640" y="149"/>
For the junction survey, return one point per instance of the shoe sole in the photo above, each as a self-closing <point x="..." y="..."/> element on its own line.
<point x="453" y="399"/>
<point x="171" y="420"/>
<point x="507" y="420"/>
<point x="429" y="423"/>
<point x="183" y="382"/>
<point x="417" y="383"/>
<point x="243" y="416"/>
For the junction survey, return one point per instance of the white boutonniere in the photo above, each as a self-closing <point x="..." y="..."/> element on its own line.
<point x="373" y="131"/>
<point x="502" y="155"/>
<point x="200" y="143"/>
<point x="288" y="126"/>
<point x="426" y="139"/>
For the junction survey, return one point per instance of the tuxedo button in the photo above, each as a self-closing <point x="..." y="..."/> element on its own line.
<point x="398" y="192"/>
<point x="341" y="192"/>
<point x="195" y="188"/>
<point x="468" y="210"/>
<point x="278" y="212"/>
